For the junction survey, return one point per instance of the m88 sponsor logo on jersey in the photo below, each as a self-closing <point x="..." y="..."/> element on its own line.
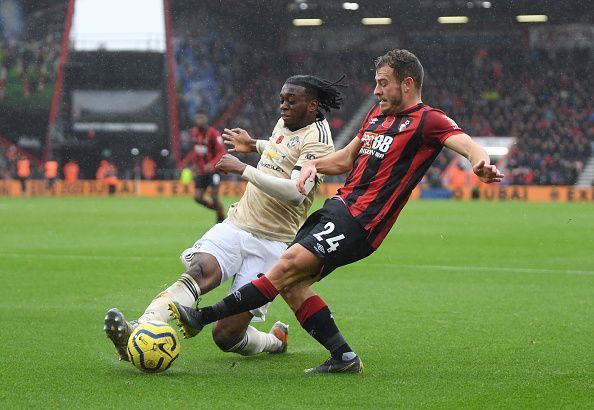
<point x="376" y="145"/>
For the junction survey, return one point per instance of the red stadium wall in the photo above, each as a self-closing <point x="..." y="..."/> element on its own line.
<point x="235" y="189"/>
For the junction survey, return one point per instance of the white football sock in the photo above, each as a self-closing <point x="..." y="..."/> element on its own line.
<point x="255" y="342"/>
<point x="185" y="291"/>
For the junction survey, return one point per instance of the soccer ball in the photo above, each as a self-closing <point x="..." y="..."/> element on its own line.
<point x="153" y="346"/>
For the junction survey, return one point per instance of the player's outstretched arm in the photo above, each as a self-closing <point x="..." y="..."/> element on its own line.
<point x="477" y="156"/>
<point x="336" y="163"/>
<point x="228" y="164"/>
<point x="280" y="188"/>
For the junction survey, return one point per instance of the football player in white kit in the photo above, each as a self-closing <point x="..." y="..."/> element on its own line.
<point x="258" y="227"/>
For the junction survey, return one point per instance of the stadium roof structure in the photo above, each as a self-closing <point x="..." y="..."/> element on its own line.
<point x="403" y="12"/>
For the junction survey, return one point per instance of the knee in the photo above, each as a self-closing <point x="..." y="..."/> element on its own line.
<point x="282" y="275"/>
<point x="195" y="270"/>
<point x="206" y="275"/>
<point x="225" y="338"/>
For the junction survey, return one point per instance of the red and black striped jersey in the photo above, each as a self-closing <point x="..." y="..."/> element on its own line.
<point x="209" y="148"/>
<point x="397" y="151"/>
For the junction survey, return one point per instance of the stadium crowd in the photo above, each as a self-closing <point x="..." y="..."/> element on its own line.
<point x="212" y="63"/>
<point x="260" y="110"/>
<point x="28" y="64"/>
<point x="539" y="97"/>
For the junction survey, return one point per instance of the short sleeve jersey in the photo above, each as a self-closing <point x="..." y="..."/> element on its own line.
<point x="263" y="215"/>
<point x="396" y="151"/>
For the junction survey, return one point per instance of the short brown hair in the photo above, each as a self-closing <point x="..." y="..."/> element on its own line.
<point x="404" y="63"/>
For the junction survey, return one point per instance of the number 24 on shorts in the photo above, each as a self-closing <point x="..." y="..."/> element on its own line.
<point x="332" y="241"/>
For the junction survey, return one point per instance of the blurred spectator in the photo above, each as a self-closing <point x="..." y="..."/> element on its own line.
<point x="71" y="170"/>
<point x="186" y="179"/>
<point x="148" y="167"/>
<point x="111" y="178"/>
<point x="23" y="173"/>
<point x="101" y="170"/>
<point x="50" y="174"/>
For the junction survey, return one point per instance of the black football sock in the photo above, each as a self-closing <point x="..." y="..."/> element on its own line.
<point x="250" y="296"/>
<point x="315" y="317"/>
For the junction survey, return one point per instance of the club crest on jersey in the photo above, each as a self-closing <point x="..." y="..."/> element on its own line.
<point x="367" y="139"/>
<point x="293" y="142"/>
<point x="405" y="124"/>
<point x="280" y="139"/>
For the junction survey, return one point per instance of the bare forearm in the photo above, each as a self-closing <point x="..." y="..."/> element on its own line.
<point x="478" y="157"/>
<point x="336" y="163"/>
<point x="279" y="188"/>
<point x="469" y="149"/>
<point x="476" y="153"/>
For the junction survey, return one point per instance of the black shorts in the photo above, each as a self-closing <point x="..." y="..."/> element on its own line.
<point x="206" y="180"/>
<point x="335" y="236"/>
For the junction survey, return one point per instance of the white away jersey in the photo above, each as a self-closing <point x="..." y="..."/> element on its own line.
<point x="263" y="215"/>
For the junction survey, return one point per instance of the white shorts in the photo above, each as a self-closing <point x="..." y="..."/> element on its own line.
<point x="240" y="254"/>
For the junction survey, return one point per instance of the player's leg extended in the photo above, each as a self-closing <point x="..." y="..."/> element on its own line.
<point x="234" y="334"/>
<point x="295" y="265"/>
<point x="315" y="317"/>
<point x="203" y="275"/>
<point x="213" y="259"/>
<point x="209" y="262"/>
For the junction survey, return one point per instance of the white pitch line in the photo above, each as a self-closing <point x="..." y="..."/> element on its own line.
<point x="85" y="257"/>
<point x="450" y="268"/>
<point x="457" y="268"/>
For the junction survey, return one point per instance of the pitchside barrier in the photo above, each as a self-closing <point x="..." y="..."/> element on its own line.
<point x="235" y="189"/>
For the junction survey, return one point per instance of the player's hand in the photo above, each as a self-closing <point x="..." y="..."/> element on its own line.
<point x="208" y="168"/>
<point x="308" y="172"/>
<point x="229" y="164"/>
<point x="238" y="140"/>
<point x="487" y="173"/>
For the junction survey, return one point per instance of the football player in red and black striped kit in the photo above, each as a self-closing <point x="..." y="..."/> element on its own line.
<point x="399" y="139"/>
<point x="209" y="148"/>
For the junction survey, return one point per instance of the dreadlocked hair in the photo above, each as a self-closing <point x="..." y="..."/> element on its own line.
<point x="326" y="92"/>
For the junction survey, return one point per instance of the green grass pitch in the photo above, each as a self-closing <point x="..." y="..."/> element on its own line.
<point x="472" y="305"/>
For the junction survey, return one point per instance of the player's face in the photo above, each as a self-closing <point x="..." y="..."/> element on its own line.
<point x="297" y="108"/>
<point x="389" y="90"/>
<point x="200" y="120"/>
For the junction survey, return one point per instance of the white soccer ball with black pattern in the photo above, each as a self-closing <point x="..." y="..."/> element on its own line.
<point x="153" y="346"/>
